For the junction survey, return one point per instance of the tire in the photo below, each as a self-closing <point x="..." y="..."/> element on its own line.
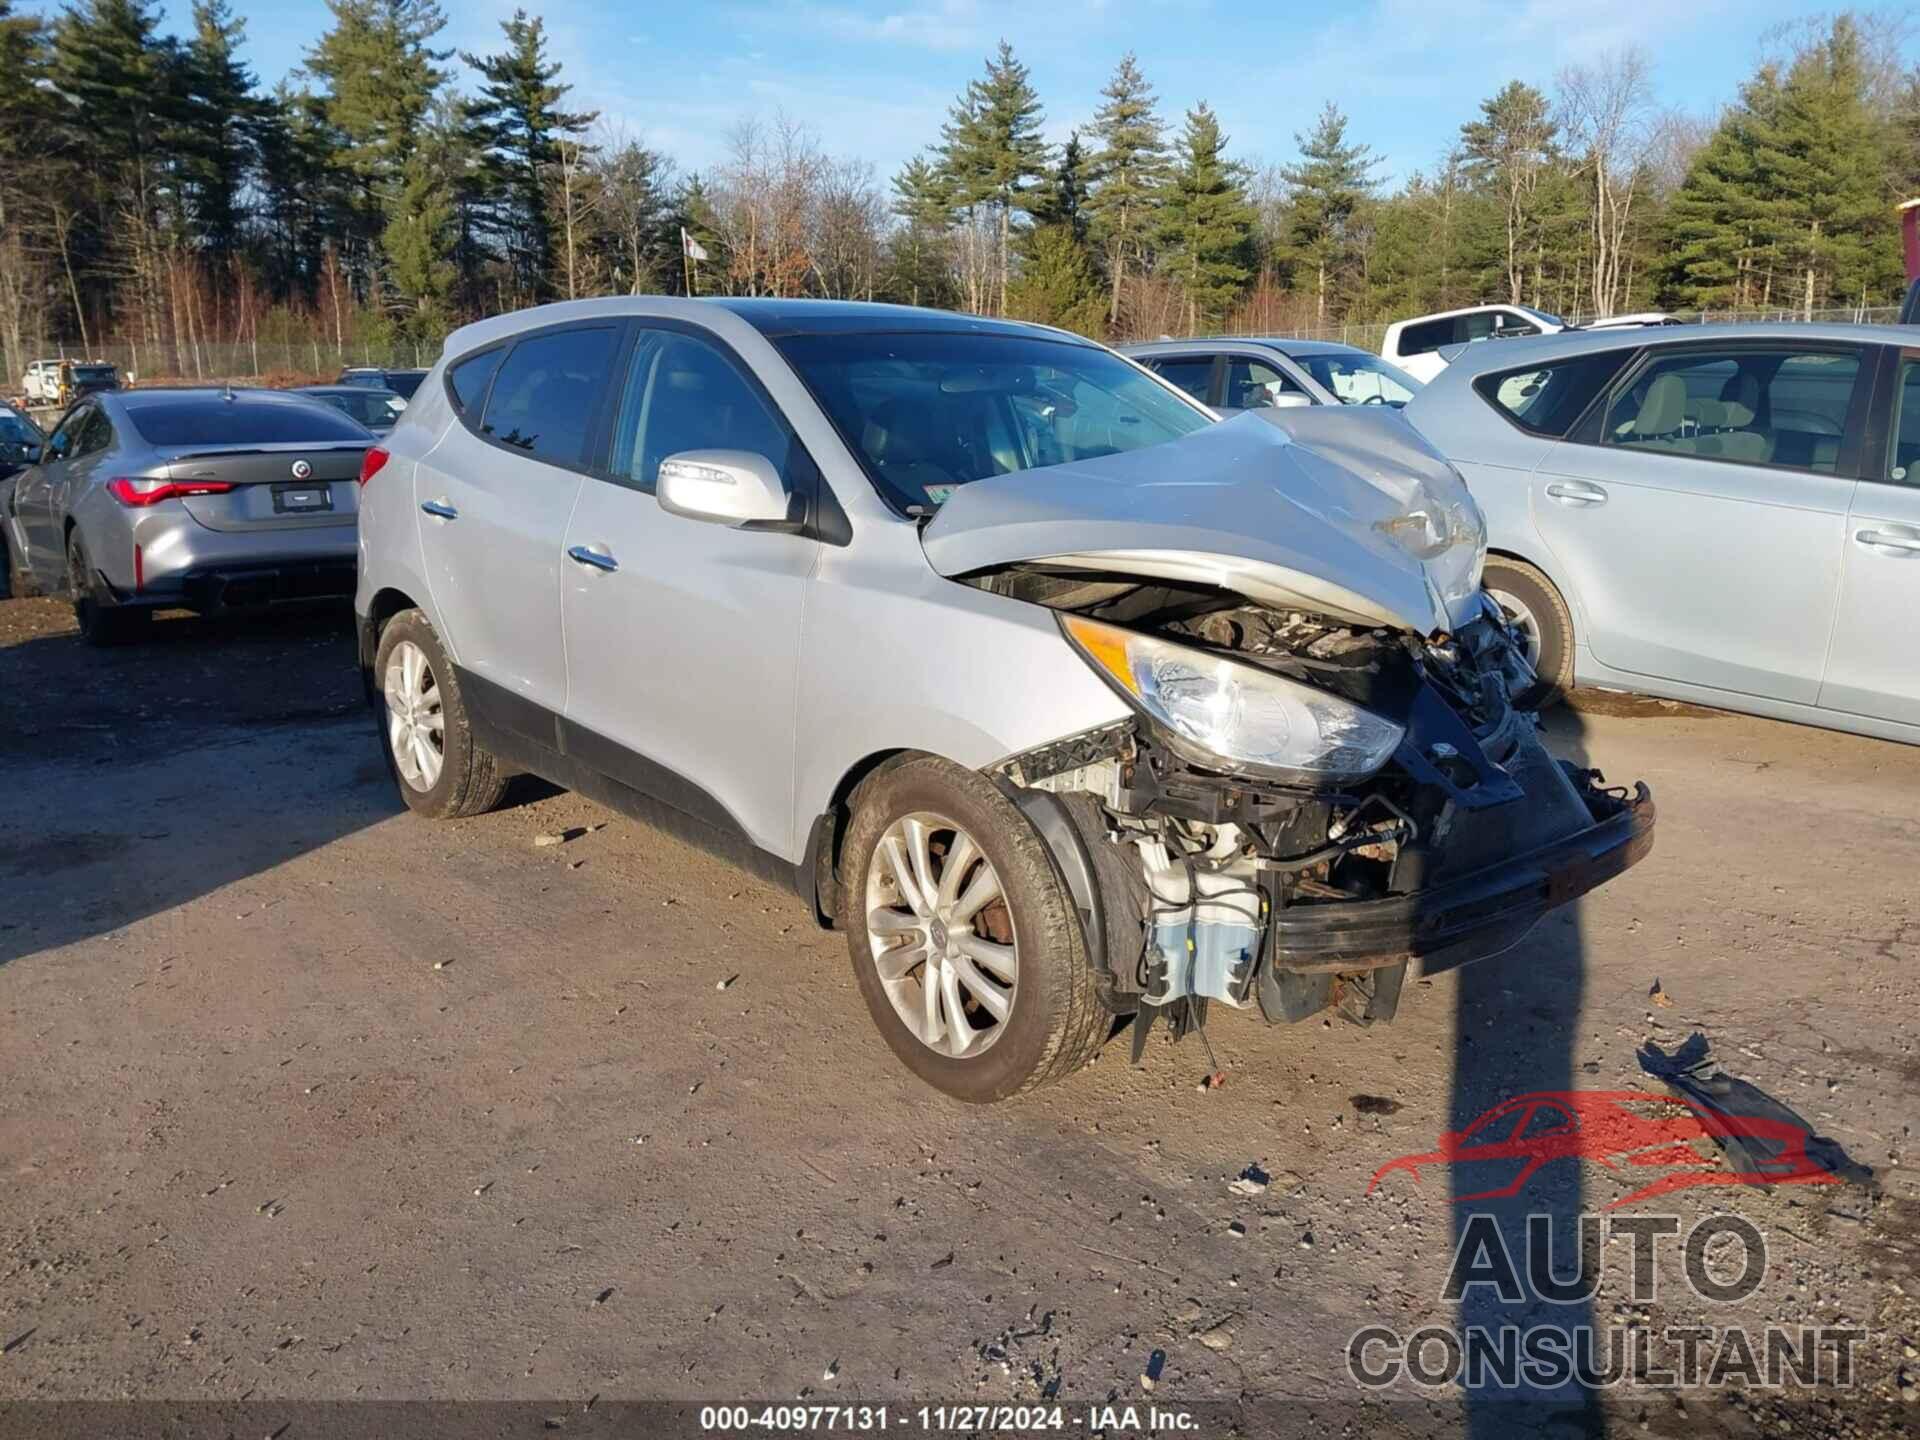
<point x="1053" y="1022"/>
<point x="1538" y="612"/>
<point x="469" y="780"/>
<point x="101" y="621"/>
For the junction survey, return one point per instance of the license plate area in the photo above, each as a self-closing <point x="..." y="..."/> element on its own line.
<point x="302" y="498"/>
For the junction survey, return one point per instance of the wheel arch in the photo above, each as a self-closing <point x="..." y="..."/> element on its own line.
<point x="821" y="864"/>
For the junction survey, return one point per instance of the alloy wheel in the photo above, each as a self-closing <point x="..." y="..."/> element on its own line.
<point x="416" y="721"/>
<point x="941" y="935"/>
<point x="1523" y="622"/>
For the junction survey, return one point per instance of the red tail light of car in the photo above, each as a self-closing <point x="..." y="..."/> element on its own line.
<point x="140" y="492"/>
<point x="375" y="459"/>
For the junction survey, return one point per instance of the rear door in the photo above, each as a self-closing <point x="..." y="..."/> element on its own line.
<point x="1871" y="667"/>
<point x="1701" y="517"/>
<point x="494" y="497"/>
<point x="682" y="636"/>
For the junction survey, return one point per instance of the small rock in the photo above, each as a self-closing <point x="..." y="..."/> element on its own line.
<point x="1306" y="1241"/>
<point x="1188" y="1312"/>
<point x="441" y="964"/>
<point x="540" y="842"/>
<point x="1250" y="1181"/>
<point x="1236" y="1228"/>
<point x="482" y="1189"/>
<point x="831" y="1371"/>
<point x="726" y="984"/>
<point x="1218" y="1338"/>
<point x="942" y="1263"/>
<point x="603" y="1296"/>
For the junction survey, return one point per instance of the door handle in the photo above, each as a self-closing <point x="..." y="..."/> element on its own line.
<point x="1576" y="492"/>
<point x="1896" y="543"/>
<point x="440" y="509"/>
<point x="591" y="558"/>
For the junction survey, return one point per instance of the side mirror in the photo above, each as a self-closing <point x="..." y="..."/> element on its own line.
<point x="724" y="487"/>
<point x="1290" y="400"/>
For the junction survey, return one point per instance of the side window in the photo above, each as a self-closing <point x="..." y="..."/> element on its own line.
<point x="1192" y="373"/>
<point x="546" y="397"/>
<point x="1512" y="322"/>
<point x="1903" y="464"/>
<point x="1426" y="337"/>
<point x="96" y="435"/>
<point x="61" y="444"/>
<point x="682" y="394"/>
<point x="468" y="379"/>
<point x="1548" y="399"/>
<point x="1782" y="408"/>
<point x="1252" y="384"/>
<point x="1478" y="326"/>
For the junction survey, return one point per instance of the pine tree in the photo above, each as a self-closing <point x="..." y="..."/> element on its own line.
<point x="1789" y="199"/>
<point x="1206" y="228"/>
<point x="517" y="121"/>
<point x="1057" y="284"/>
<point x="992" y="152"/>
<point x="379" y="76"/>
<point x="1061" y="196"/>
<point x="219" y="126"/>
<point x="1506" y="150"/>
<point x="1128" y="169"/>
<point x="923" y="200"/>
<point x="1329" y="183"/>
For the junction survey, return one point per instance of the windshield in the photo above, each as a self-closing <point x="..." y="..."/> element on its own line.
<point x="93" y="374"/>
<point x="1361" y="379"/>
<point x="925" y="414"/>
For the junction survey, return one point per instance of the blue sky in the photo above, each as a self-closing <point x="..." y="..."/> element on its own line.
<point x="875" y="79"/>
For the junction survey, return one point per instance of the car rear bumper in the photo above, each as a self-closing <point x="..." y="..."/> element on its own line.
<point x="1469" y="917"/>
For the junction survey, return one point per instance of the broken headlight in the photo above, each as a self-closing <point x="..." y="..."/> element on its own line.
<point x="1224" y="715"/>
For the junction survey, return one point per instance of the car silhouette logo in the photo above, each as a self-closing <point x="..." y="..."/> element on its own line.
<point x="1624" y="1130"/>
<point x="302" y="470"/>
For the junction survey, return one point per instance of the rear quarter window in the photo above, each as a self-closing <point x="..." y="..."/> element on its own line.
<point x="1546" y="400"/>
<point x="214" y="421"/>
<point x="467" y="380"/>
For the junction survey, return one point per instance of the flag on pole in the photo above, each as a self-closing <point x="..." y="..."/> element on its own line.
<point x="691" y="247"/>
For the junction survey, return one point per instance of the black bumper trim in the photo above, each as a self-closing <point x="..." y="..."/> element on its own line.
<point x="1466" y="919"/>
<point x="246" y="587"/>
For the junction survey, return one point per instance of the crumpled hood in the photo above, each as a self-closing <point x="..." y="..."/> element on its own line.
<point x="1338" y="510"/>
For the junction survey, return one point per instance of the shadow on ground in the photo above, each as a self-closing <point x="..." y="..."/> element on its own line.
<point x="230" y="745"/>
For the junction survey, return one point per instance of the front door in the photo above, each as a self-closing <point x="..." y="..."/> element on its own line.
<point x="1701" y="522"/>
<point x="1873" y="667"/>
<point x="670" y="621"/>
<point x="493" y="498"/>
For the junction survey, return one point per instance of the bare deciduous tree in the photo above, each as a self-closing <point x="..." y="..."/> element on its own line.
<point x="1607" y="113"/>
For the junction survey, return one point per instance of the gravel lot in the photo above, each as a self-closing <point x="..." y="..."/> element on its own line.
<point x="301" y="1098"/>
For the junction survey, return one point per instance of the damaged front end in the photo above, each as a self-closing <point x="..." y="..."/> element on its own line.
<point x="1202" y="879"/>
<point x="1325" y="784"/>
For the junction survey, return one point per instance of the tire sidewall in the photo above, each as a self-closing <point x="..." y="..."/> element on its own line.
<point x="1551" y="614"/>
<point x="1045" y="927"/>
<point x="456" y="738"/>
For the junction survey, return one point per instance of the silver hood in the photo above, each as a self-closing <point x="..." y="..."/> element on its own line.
<point x="1335" y="509"/>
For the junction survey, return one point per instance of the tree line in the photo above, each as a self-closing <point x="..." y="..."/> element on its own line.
<point x="153" y="193"/>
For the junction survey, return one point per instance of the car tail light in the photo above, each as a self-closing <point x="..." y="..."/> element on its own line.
<point x="371" y="464"/>
<point x="138" y="491"/>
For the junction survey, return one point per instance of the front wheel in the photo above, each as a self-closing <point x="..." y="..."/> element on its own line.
<point x="443" y="773"/>
<point x="1541" y="621"/>
<point x="964" y="940"/>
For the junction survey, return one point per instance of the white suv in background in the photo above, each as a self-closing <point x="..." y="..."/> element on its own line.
<point x="1426" y="344"/>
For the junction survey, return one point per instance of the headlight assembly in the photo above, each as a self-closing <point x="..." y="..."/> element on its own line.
<point x="1227" y="716"/>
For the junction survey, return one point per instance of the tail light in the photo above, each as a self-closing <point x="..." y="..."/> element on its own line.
<point x="139" y="492"/>
<point x="371" y="464"/>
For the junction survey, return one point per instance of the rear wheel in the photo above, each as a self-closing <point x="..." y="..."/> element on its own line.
<point x="101" y="621"/>
<point x="1541" y="621"/>
<point x="442" y="772"/>
<point x="964" y="941"/>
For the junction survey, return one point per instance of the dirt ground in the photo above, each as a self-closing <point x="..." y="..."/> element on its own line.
<point x="302" y="1098"/>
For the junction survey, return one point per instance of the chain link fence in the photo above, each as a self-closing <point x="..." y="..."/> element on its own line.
<point x="305" y="357"/>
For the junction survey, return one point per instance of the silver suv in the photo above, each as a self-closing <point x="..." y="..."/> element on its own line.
<point x="1065" y="700"/>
